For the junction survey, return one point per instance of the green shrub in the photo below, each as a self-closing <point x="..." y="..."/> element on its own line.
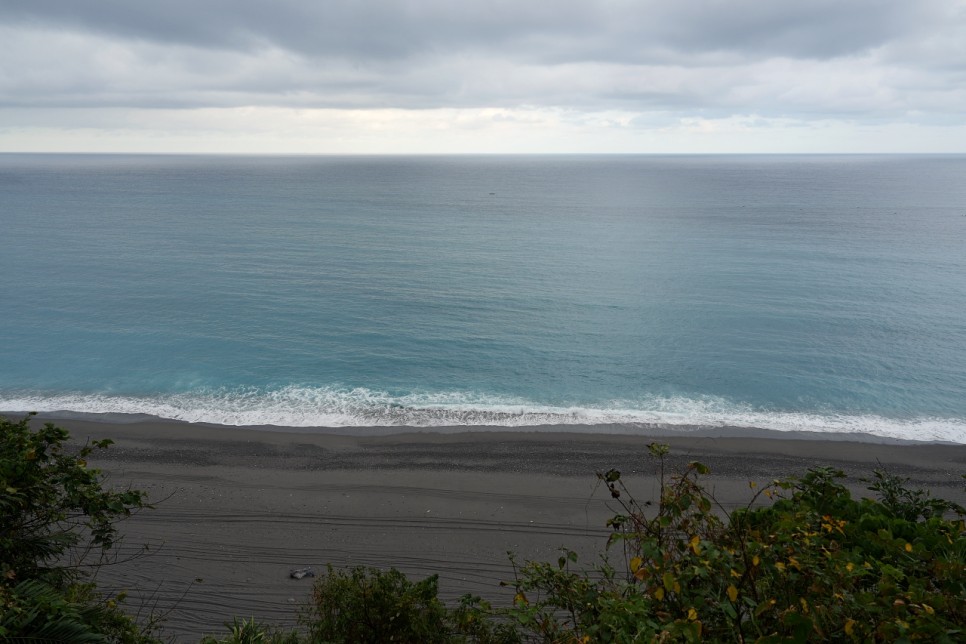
<point x="371" y="605"/>
<point x="475" y="620"/>
<point x="57" y="523"/>
<point x="814" y="565"/>
<point x="252" y="632"/>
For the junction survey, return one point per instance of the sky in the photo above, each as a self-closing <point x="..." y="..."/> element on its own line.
<point x="483" y="76"/>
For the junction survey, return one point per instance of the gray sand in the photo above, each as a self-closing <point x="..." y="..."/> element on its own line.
<point x="239" y="508"/>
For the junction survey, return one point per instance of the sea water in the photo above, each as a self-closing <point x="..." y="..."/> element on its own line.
<point x="817" y="293"/>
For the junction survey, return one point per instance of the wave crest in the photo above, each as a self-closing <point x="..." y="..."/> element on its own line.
<point x="297" y="406"/>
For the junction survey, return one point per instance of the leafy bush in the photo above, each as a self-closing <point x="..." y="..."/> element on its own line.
<point x="57" y="521"/>
<point x="372" y="605"/>
<point x="814" y="565"/>
<point x="252" y="632"/>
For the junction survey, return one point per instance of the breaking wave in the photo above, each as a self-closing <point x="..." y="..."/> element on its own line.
<point x="298" y="406"/>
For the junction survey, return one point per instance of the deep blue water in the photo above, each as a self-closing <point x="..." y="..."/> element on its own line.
<point x="823" y="293"/>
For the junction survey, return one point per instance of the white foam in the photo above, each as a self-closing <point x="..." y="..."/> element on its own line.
<point x="296" y="406"/>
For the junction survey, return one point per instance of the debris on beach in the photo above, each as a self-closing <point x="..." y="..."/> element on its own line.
<point x="300" y="573"/>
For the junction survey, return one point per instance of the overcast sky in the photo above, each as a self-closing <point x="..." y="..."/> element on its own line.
<point x="397" y="76"/>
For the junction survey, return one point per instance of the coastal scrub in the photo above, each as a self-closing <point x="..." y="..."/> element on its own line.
<point x="57" y="525"/>
<point x="810" y="564"/>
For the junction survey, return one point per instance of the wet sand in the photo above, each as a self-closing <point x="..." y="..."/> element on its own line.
<point x="238" y="508"/>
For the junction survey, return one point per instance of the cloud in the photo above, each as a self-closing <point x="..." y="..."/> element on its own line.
<point x="862" y="61"/>
<point x="561" y="31"/>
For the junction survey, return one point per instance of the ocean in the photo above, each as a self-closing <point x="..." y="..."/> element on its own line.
<point x="792" y="293"/>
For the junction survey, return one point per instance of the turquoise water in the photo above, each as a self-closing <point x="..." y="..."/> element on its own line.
<point x="822" y="293"/>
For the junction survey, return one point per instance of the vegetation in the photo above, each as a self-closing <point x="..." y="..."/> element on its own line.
<point x="371" y="605"/>
<point x="393" y="608"/>
<point x="813" y="564"/>
<point x="252" y="632"/>
<point x="801" y="561"/>
<point x="57" y="524"/>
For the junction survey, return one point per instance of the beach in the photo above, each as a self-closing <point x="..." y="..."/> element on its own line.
<point x="237" y="509"/>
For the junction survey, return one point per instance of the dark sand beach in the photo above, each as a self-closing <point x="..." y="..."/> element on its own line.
<point x="238" y="508"/>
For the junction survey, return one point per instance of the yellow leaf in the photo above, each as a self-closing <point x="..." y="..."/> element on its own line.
<point x="850" y="566"/>
<point x="929" y="609"/>
<point x="849" y="627"/>
<point x="908" y="547"/>
<point x="668" y="580"/>
<point x="755" y="560"/>
<point x="735" y="574"/>
<point x="780" y="566"/>
<point x="636" y="564"/>
<point x="695" y="544"/>
<point x="732" y="593"/>
<point x="692" y="614"/>
<point x="659" y="594"/>
<point x="520" y="598"/>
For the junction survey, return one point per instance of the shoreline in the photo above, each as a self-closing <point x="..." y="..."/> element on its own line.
<point x="239" y="508"/>
<point x="595" y="429"/>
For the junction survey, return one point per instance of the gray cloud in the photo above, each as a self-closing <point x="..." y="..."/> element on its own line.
<point x="561" y="31"/>
<point x="824" y="58"/>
